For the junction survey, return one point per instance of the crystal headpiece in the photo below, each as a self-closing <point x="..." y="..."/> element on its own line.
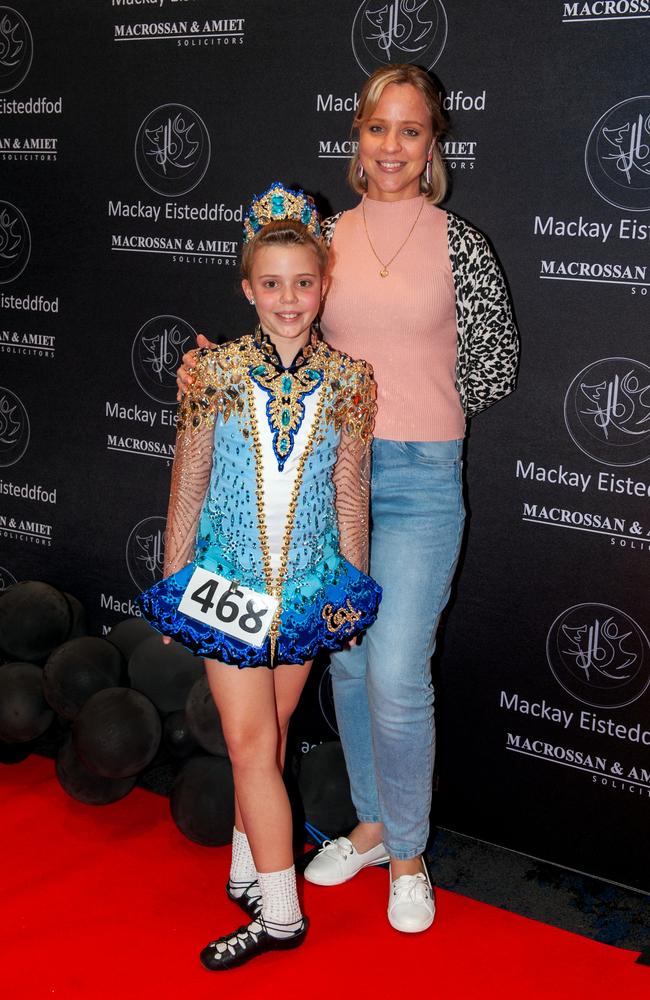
<point x="279" y="203"/>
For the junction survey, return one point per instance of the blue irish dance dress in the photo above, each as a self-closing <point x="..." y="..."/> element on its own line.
<point x="270" y="490"/>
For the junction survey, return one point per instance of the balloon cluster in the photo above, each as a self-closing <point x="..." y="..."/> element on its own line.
<point x="118" y="705"/>
<point x="114" y="706"/>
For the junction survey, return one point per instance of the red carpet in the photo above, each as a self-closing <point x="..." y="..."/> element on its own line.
<point x="113" y="901"/>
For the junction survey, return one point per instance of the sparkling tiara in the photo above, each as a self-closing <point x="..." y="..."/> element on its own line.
<point x="279" y="203"/>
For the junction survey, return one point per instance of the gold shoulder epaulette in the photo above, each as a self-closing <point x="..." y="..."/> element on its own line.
<point x="217" y="375"/>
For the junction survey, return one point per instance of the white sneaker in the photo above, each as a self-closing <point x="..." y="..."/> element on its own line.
<point x="411" y="904"/>
<point x="338" y="860"/>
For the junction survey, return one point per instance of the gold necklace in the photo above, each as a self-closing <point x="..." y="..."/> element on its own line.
<point x="384" y="267"/>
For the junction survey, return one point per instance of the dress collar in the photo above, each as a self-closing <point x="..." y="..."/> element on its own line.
<point x="267" y="347"/>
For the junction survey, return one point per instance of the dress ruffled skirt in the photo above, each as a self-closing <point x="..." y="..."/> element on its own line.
<point x="344" y="604"/>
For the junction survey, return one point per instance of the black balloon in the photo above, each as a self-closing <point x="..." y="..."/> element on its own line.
<point x="78" y="669"/>
<point x="127" y="635"/>
<point x="325" y="790"/>
<point x="117" y="732"/>
<point x="203" y="719"/>
<point x="88" y="786"/>
<point x="78" y="626"/>
<point x="34" y="619"/>
<point x="165" y="673"/>
<point x="177" y="737"/>
<point x="24" y="712"/>
<point x="202" y="801"/>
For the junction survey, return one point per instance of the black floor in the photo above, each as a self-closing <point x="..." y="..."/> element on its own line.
<point x="578" y="903"/>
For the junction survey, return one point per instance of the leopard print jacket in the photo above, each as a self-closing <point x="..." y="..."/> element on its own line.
<point x="488" y="344"/>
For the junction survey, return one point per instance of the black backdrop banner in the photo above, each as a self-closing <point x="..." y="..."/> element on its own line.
<point x="133" y="132"/>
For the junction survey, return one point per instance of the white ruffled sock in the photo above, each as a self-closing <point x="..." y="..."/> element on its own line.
<point x="242" y="866"/>
<point x="280" y="907"/>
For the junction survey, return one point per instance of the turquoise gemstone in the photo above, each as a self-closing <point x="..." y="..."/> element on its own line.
<point x="284" y="444"/>
<point x="313" y="375"/>
<point x="259" y="370"/>
<point x="287" y="385"/>
<point x="286" y="417"/>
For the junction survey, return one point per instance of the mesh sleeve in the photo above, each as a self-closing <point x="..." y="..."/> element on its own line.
<point x="351" y="476"/>
<point x="190" y="478"/>
<point x="192" y="465"/>
<point x="351" y="479"/>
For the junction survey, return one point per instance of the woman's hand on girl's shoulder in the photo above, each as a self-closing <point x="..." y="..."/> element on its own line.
<point x="184" y="373"/>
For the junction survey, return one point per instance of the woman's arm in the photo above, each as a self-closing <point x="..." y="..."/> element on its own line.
<point x="494" y="341"/>
<point x="488" y="342"/>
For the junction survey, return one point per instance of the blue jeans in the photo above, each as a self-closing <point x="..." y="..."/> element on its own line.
<point x="383" y="692"/>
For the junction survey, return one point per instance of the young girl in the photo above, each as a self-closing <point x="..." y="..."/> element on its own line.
<point x="271" y="464"/>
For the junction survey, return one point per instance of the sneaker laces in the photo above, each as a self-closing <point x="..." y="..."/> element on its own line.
<point x="412" y="888"/>
<point x="341" y="846"/>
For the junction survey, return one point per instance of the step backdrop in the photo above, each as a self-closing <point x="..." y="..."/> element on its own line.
<point x="133" y="132"/>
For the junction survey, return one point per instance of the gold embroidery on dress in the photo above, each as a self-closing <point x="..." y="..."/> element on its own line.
<point x="220" y="377"/>
<point x="335" y="620"/>
<point x="285" y="409"/>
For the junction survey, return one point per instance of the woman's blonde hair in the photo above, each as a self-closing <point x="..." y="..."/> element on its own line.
<point x="284" y="233"/>
<point x="375" y="85"/>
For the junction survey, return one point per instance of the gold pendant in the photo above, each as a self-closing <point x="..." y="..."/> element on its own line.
<point x="383" y="273"/>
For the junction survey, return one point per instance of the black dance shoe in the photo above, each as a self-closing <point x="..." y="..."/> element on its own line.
<point x="251" y="905"/>
<point x="245" y="943"/>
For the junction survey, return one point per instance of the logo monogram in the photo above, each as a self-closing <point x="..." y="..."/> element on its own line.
<point x="14" y="428"/>
<point x="145" y="551"/>
<point x="157" y="351"/>
<point x="599" y="654"/>
<point x="172" y="150"/>
<point x="607" y="411"/>
<point x="617" y="155"/>
<point x="399" y="31"/>
<point x="15" y="242"/>
<point x="7" y="579"/>
<point x="16" y="49"/>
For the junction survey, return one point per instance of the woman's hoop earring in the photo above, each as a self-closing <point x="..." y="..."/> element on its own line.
<point x="427" y="172"/>
<point x="360" y="170"/>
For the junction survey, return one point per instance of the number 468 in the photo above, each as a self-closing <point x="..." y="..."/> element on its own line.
<point x="227" y="609"/>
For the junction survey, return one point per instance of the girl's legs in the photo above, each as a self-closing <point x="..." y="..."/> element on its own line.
<point x="255" y="706"/>
<point x="243" y="874"/>
<point x="382" y="689"/>
<point x="288" y="680"/>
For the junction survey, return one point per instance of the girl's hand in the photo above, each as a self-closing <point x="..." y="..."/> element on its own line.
<point x="184" y="373"/>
